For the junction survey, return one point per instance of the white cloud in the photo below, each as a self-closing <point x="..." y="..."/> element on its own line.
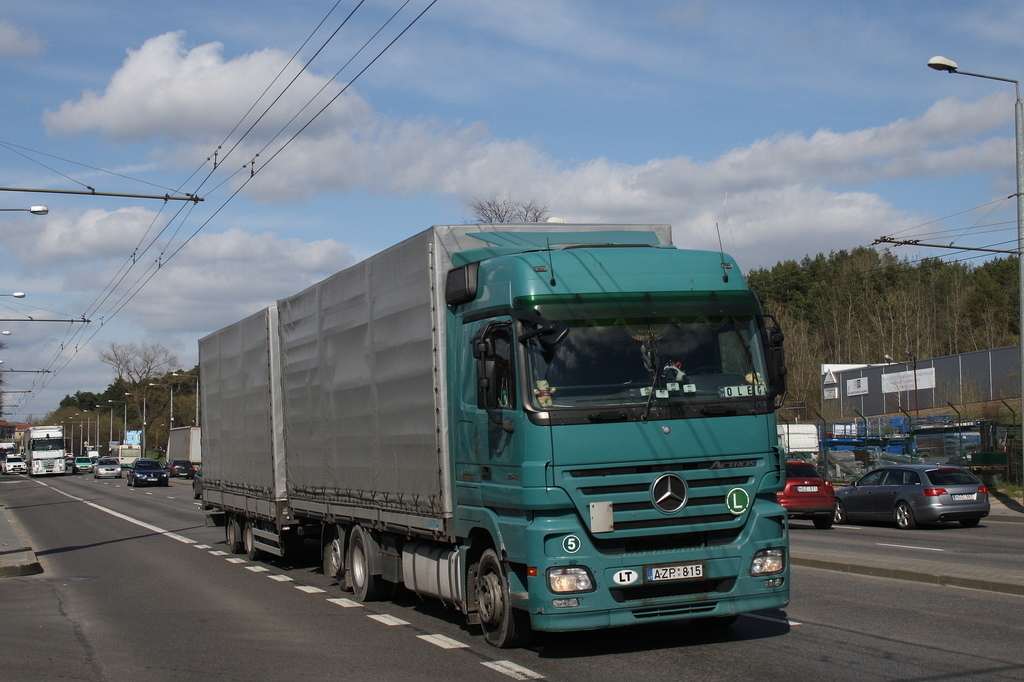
<point x="786" y="192"/>
<point x="15" y="43"/>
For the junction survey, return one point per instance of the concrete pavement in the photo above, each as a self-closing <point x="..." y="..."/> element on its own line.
<point x="17" y="558"/>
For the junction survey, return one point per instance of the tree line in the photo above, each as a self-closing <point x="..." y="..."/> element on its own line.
<point x="859" y="306"/>
<point x="146" y="380"/>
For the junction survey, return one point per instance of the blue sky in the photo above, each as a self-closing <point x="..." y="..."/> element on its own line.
<point x="797" y="127"/>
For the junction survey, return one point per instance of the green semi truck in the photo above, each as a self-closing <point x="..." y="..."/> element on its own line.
<point x="550" y="427"/>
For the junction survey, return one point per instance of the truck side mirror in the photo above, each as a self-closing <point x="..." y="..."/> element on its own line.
<point x="776" y="357"/>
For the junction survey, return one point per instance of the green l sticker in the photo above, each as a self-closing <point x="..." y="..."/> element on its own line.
<point x="737" y="501"/>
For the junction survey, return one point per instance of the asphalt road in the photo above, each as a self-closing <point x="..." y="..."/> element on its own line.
<point x="134" y="584"/>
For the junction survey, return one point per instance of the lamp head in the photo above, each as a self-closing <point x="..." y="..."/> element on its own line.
<point x="888" y="358"/>
<point x="942" y="64"/>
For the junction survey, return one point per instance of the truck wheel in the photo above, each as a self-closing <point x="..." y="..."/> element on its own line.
<point x="504" y="627"/>
<point x="249" y="542"/>
<point x="365" y="586"/>
<point x="233" y="535"/>
<point x="334" y="559"/>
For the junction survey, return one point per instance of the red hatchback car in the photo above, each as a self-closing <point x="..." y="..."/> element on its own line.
<point x="807" y="495"/>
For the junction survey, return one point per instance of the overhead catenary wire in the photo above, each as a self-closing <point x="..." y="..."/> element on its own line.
<point x="108" y="303"/>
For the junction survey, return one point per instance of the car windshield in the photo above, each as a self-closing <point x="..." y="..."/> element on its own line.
<point x="15" y="458"/>
<point x="147" y="465"/>
<point x="107" y="461"/>
<point x="83" y="460"/>
<point x="951" y="477"/>
<point x="629" y="351"/>
<point x="801" y="471"/>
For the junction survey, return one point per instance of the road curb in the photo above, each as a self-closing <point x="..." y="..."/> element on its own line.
<point x="16" y="556"/>
<point x="917" y="576"/>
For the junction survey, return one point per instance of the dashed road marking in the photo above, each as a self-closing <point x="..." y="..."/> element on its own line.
<point x="443" y="642"/>
<point x="345" y="603"/>
<point x="516" y="672"/>
<point x="257" y="569"/>
<point x="201" y="546"/>
<point x="219" y="552"/>
<point x="235" y="560"/>
<point x="281" y="578"/>
<point x="926" y="549"/>
<point x="387" y="619"/>
<point x="309" y="589"/>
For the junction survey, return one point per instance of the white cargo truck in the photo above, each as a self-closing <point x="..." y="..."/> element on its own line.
<point x="45" y="450"/>
<point x="184" y="442"/>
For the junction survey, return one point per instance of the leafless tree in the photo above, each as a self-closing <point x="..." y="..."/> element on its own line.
<point x="138" y="362"/>
<point x="508" y="210"/>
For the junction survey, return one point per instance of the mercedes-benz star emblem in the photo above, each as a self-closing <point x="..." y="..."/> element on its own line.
<point x="669" y="493"/>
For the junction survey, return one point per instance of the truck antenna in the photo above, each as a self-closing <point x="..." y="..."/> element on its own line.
<point x="725" y="266"/>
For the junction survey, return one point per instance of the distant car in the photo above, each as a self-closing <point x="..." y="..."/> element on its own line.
<point x="181" y="467"/>
<point x="807" y="495"/>
<point x="107" y="467"/>
<point x="147" y="472"/>
<point x="14" y="464"/>
<point x="909" y="494"/>
<point x="197" y="483"/>
<point x="81" y="464"/>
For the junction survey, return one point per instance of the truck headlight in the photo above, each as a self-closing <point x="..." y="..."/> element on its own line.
<point x="768" y="561"/>
<point x="564" y="579"/>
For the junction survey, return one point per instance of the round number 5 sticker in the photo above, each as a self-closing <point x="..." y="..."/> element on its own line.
<point x="571" y="544"/>
<point x="737" y="501"/>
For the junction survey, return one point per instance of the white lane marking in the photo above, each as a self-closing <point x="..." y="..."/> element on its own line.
<point x="235" y="560"/>
<point x="387" y="619"/>
<point x="309" y="589"/>
<point x="443" y="642"/>
<point x="773" y="619"/>
<point x="201" y="546"/>
<point x="926" y="549"/>
<point x="281" y="578"/>
<point x="516" y="672"/>
<point x="257" y="569"/>
<point x="345" y="603"/>
<point x="218" y="552"/>
<point x="129" y="519"/>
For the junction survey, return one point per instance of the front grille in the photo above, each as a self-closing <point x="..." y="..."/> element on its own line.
<point x="628" y="489"/>
<point x="672" y="589"/>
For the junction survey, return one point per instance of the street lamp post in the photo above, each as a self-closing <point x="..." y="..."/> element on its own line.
<point x="913" y="365"/>
<point x="948" y="65"/>
<point x="35" y="210"/>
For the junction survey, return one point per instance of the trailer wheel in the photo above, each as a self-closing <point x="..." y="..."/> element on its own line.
<point x="334" y="558"/>
<point x="504" y="627"/>
<point x="233" y="535"/>
<point x="249" y="542"/>
<point x="365" y="585"/>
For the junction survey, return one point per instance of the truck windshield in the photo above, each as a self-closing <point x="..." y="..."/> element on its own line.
<point x="683" y="348"/>
<point x="47" y="444"/>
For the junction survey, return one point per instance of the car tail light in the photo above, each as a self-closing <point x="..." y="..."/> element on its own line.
<point x="983" y="490"/>
<point x="934" y="492"/>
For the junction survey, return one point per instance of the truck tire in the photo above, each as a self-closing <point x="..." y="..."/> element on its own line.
<point x="334" y="558"/>
<point x="365" y="585"/>
<point x="504" y="627"/>
<point x="249" y="542"/>
<point x="233" y="534"/>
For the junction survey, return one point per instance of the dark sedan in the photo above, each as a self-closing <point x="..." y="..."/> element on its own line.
<point x="147" y="472"/>
<point x="909" y="494"/>
<point x="182" y="468"/>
